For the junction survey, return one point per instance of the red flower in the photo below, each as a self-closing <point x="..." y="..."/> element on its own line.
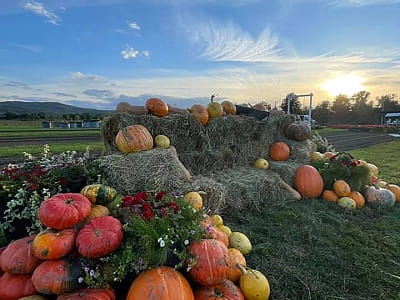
<point x="148" y="215"/>
<point x="142" y="196"/>
<point x="160" y="195"/>
<point x="127" y="201"/>
<point x="174" y="206"/>
<point x="146" y="206"/>
<point x="63" y="181"/>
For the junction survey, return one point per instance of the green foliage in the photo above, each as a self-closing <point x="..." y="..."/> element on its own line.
<point x="322" y="145"/>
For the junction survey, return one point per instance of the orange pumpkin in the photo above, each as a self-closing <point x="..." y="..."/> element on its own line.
<point x="235" y="257"/>
<point x="161" y="283"/>
<point x="308" y="181"/>
<point x="279" y="151"/>
<point x="358" y="198"/>
<point x="228" y="107"/>
<point x="53" y="243"/>
<point x="157" y="107"/>
<point x="395" y="189"/>
<point x="89" y="294"/>
<point x="341" y="188"/>
<point x="226" y="290"/>
<point x="133" y="138"/>
<point x="14" y="286"/>
<point x="330" y="195"/>
<point x="218" y="235"/>
<point x="200" y="113"/>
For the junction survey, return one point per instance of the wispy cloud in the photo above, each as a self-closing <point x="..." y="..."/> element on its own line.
<point x="64" y="95"/>
<point x="130" y="53"/>
<point x="81" y="76"/>
<point x="133" y="25"/>
<point x="98" y="93"/>
<point x="348" y="3"/>
<point x="39" y="9"/>
<point x="17" y="84"/>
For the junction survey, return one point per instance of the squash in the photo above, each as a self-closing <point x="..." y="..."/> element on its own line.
<point x="228" y="107"/>
<point x="261" y="163"/>
<point x="358" y="198"/>
<point x="214" y="109"/>
<point x="341" y="188"/>
<point x="161" y="283"/>
<point x="240" y="241"/>
<point x="53" y="243"/>
<point x="194" y="199"/>
<point x="395" y="189"/>
<point x="219" y="235"/>
<point x="133" y="138"/>
<point x="162" y="141"/>
<point x="15" y="286"/>
<point x="347" y="202"/>
<point x="156" y="107"/>
<point x="373" y="169"/>
<point x="298" y="131"/>
<point x="73" y="207"/>
<point x="330" y="196"/>
<point x="380" y="197"/>
<point x="99" y="193"/>
<point x="253" y="284"/>
<point x="89" y="294"/>
<point x="308" y="181"/>
<point x="235" y="257"/>
<point x="316" y="156"/>
<point x="279" y="151"/>
<point x="99" y="237"/>
<point x="211" y="258"/>
<point x="17" y="257"/>
<point x="226" y="290"/>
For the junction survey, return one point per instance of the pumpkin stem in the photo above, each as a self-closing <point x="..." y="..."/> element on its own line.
<point x="213" y="96"/>
<point x="69" y="201"/>
<point x="218" y="293"/>
<point x="242" y="269"/>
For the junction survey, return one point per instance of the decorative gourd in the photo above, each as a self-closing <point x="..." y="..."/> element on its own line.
<point x="162" y="141"/>
<point x="157" y="107"/>
<point x="17" y="257"/>
<point x="99" y="237"/>
<point x="226" y="290"/>
<point x="73" y="207"/>
<point x="261" y="163"/>
<point x="240" y="241"/>
<point x="315" y="156"/>
<point x="53" y="243"/>
<point x="373" y="169"/>
<point x="235" y="257"/>
<point x="89" y="294"/>
<point x="215" y="109"/>
<point x="99" y="193"/>
<point x="200" y="113"/>
<point x="279" y="151"/>
<point x="358" y="198"/>
<point x="308" y="181"/>
<point x="395" y="189"/>
<point x="162" y="283"/>
<point x="298" y="131"/>
<point x="133" y="138"/>
<point x="347" y="202"/>
<point x="57" y="276"/>
<point x="253" y="284"/>
<point x="330" y="196"/>
<point x="228" y="107"/>
<point x="341" y="188"/>
<point x="211" y="258"/>
<point x="194" y="199"/>
<point x="13" y="286"/>
<point x="381" y="196"/>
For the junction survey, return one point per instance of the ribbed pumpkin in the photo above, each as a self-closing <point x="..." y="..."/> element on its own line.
<point x="161" y="283"/>
<point x="226" y="290"/>
<point x="341" y="188"/>
<point x="211" y="261"/>
<point x="381" y="197"/>
<point x="89" y="294"/>
<point x="99" y="193"/>
<point x="298" y="131"/>
<point x="73" y="207"/>
<point x="57" y="276"/>
<point x="228" y="107"/>
<point x="395" y="189"/>
<point x="279" y="151"/>
<point x="53" y="243"/>
<point x="358" y="198"/>
<point x="18" y="258"/>
<point x="215" y="109"/>
<point x="330" y="196"/>
<point x="308" y="181"/>
<point x="200" y="113"/>
<point x="219" y="235"/>
<point x="13" y="286"/>
<point x="235" y="257"/>
<point x="99" y="237"/>
<point x="133" y="138"/>
<point x="157" y="107"/>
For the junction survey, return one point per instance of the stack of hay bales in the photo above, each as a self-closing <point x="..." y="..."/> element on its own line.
<point x="219" y="156"/>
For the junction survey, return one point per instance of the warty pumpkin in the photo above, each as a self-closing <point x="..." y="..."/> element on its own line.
<point x="226" y="290"/>
<point x="298" y="131"/>
<point x="99" y="193"/>
<point x="15" y="286"/>
<point x="157" y="107"/>
<point x="133" y="138"/>
<point x="308" y="181"/>
<point x="53" y="243"/>
<point x="89" y="294"/>
<point x="279" y="151"/>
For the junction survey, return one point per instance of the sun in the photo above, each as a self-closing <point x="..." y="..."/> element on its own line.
<point x="345" y="84"/>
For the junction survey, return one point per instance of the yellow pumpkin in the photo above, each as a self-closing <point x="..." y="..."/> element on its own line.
<point x="194" y="199"/>
<point x="253" y="284"/>
<point x="162" y="141"/>
<point x="214" y="109"/>
<point x="261" y="163"/>
<point x="240" y="241"/>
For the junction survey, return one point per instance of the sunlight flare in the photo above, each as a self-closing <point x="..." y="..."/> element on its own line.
<point x="349" y="85"/>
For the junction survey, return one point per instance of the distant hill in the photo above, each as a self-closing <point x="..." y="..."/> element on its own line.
<point x="49" y="108"/>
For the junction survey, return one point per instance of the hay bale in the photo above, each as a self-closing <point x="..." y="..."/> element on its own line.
<point x="300" y="151"/>
<point x="285" y="169"/>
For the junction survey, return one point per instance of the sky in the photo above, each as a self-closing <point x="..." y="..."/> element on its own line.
<point x="97" y="53"/>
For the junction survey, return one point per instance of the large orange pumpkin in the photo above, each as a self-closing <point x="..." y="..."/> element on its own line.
<point x="235" y="257"/>
<point x="211" y="261"/>
<point x="133" y="138"/>
<point x="226" y="290"/>
<point x="157" y="107"/>
<point x="341" y="188"/>
<point x="279" y="151"/>
<point x="200" y="113"/>
<point x="14" y="286"/>
<point x="308" y="181"/>
<point x="53" y="243"/>
<point x="228" y="107"/>
<point x="89" y="294"/>
<point x="73" y="207"/>
<point x="18" y="258"/>
<point x="161" y="283"/>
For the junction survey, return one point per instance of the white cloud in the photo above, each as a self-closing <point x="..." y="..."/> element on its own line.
<point x="129" y="52"/>
<point x="81" y="76"/>
<point x="39" y="9"/>
<point x="146" y="53"/>
<point x="348" y="3"/>
<point x="133" y="25"/>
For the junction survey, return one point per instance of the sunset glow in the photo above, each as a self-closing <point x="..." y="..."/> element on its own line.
<point x="346" y="85"/>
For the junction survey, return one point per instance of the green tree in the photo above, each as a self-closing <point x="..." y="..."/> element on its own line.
<point x="341" y="107"/>
<point x="362" y="110"/>
<point x="295" y="106"/>
<point x="388" y="103"/>
<point x="323" y="113"/>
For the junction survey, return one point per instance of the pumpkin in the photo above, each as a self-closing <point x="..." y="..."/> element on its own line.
<point x="382" y="197"/>
<point x="226" y="290"/>
<point x="33" y="297"/>
<point x="211" y="258"/>
<point x="315" y="156"/>
<point x="53" y="243"/>
<point x="225" y="229"/>
<point x="373" y="169"/>
<point x="162" y="141"/>
<point x="395" y="189"/>
<point x="99" y="193"/>
<point x="219" y="235"/>
<point x="358" y="198"/>
<point x="133" y="138"/>
<point x="99" y="237"/>
<point x="200" y="113"/>
<point x="341" y="188"/>
<point x="157" y="107"/>
<point x="215" y="109"/>
<point x="15" y="286"/>
<point x="63" y="211"/>
<point x="308" y="181"/>
<point x="235" y="257"/>
<point x="253" y="284"/>
<point x="89" y="294"/>
<point x="261" y="163"/>
<point x="240" y="241"/>
<point x="279" y="151"/>
<point x="97" y="211"/>
<point x="330" y="196"/>
<point x="298" y="131"/>
<point x="347" y="202"/>
<point x="228" y="107"/>
<point x="161" y="283"/>
<point x="57" y="276"/>
<point x="194" y="199"/>
<point x="17" y="257"/>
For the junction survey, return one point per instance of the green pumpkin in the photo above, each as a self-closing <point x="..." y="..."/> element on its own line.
<point x="99" y="193"/>
<point x="298" y="131"/>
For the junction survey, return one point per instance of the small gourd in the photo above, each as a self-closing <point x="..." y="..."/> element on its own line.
<point x="99" y="193"/>
<point x="253" y="284"/>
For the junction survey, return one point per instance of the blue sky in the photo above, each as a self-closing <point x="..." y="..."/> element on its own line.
<point x="96" y="53"/>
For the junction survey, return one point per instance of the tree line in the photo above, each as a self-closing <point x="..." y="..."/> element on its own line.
<point x="49" y="117"/>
